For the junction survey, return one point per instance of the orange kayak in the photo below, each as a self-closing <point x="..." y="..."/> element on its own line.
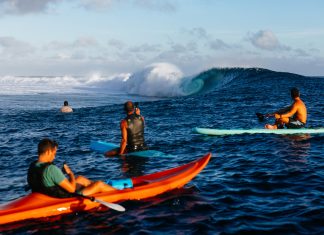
<point x="36" y="205"/>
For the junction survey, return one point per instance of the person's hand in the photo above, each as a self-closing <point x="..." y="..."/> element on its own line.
<point x="137" y="111"/>
<point x="67" y="169"/>
<point x="121" y="154"/>
<point x="277" y="116"/>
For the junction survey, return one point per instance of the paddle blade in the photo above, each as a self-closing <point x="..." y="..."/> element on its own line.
<point x="260" y="116"/>
<point x="113" y="206"/>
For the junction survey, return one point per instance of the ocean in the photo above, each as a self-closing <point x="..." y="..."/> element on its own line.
<point x="254" y="184"/>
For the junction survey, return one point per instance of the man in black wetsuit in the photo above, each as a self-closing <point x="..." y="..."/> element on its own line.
<point x="132" y="131"/>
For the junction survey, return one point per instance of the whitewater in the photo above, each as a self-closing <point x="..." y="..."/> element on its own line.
<point x="155" y="80"/>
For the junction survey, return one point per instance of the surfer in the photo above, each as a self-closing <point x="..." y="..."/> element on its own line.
<point x="132" y="131"/>
<point x="44" y="177"/>
<point x="293" y="117"/>
<point x="66" y="108"/>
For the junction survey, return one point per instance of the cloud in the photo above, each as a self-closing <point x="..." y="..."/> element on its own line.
<point x="179" y="48"/>
<point x="160" y="5"/>
<point x="86" y="42"/>
<point x="26" y="6"/>
<point x="218" y="44"/>
<point x="115" y="43"/>
<point x="197" y="32"/>
<point x="266" y="40"/>
<point x="12" y="47"/>
<point x="301" y="53"/>
<point x="157" y="5"/>
<point x="82" y="43"/>
<point x="23" y="7"/>
<point x="145" y="48"/>
<point x="97" y="4"/>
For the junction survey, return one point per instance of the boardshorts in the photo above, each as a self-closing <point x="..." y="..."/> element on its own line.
<point x="295" y="124"/>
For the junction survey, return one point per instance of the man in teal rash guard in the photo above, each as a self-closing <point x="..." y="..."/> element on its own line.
<point x="44" y="177"/>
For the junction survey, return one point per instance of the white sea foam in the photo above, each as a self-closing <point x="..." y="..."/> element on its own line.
<point x="159" y="79"/>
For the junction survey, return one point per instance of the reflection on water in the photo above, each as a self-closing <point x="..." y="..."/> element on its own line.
<point x="133" y="166"/>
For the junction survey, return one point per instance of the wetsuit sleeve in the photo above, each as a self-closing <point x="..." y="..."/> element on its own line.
<point x="53" y="176"/>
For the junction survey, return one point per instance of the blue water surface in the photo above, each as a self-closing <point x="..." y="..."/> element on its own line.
<point x="254" y="184"/>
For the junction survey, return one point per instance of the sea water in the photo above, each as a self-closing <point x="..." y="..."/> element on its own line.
<point x="254" y="184"/>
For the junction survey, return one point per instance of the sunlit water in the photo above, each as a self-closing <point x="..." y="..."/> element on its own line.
<point x="254" y="184"/>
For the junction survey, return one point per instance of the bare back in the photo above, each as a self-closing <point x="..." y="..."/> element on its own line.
<point x="299" y="110"/>
<point x="66" y="109"/>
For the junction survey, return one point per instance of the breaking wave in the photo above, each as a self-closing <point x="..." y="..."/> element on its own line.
<point x="155" y="80"/>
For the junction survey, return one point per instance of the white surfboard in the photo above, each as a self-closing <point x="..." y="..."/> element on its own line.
<point x="209" y="131"/>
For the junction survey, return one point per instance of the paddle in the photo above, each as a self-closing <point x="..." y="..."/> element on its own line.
<point x="260" y="116"/>
<point x="113" y="206"/>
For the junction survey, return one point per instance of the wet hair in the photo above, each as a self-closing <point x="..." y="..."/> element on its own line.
<point x="294" y="92"/>
<point x="129" y="106"/>
<point x="46" y="144"/>
<point x="66" y="103"/>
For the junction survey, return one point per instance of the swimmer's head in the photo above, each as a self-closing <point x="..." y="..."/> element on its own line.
<point x="66" y="103"/>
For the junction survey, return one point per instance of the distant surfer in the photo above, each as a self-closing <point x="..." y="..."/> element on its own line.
<point x="44" y="177"/>
<point x="293" y="117"/>
<point x="132" y="131"/>
<point x="66" y="108"/>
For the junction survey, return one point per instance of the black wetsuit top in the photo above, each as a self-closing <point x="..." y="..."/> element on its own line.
<point x="35" y="182"/>
<point x="135" y="133"/>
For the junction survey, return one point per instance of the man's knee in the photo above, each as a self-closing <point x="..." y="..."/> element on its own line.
<point x="98" y="184"/>
<point x="82" y="180"/>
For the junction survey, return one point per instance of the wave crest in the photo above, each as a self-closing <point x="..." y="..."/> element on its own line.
<point x="155" y="80"/>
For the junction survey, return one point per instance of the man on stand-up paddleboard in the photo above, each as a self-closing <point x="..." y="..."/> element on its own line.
<point x="293" y="117"/>
<point x="132" y="132"/>
<point x="44" y="177"/>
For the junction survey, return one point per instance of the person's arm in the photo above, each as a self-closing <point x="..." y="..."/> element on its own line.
<point x="137" y="111"/>
<point x="123" y="142"/>
<point x="68" y="185"/>
<point x="284" y="110"/>
<point x="279" y="112"/>
<point x="289" y="113"/>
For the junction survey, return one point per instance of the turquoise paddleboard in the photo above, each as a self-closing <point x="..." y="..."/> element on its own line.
<point x="209" y="131"/>
<point x="102" y="147"/>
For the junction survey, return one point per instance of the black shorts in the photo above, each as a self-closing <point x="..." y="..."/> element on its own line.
<point x="295" y="124"/>
<point x="136" y="148"/>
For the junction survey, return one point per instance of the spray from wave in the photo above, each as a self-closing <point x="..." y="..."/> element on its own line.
<point x="155" y="80"/>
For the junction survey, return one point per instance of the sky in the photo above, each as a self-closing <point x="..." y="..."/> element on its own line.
<point x="80" y="37"/>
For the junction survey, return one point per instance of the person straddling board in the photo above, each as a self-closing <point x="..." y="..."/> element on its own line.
<point x="66" y="108"/>
<point x="293" y="117"/>
<point x="44" y="177"/>
<point x="132" y="132"/>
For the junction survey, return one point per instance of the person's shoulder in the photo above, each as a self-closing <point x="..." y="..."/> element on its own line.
<point x="54" y="171"/>
<point x="52" y="167"/>
<point x="298" y="102"/>
<point x="123" y="122"/>
<point x="66" y="109"/>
